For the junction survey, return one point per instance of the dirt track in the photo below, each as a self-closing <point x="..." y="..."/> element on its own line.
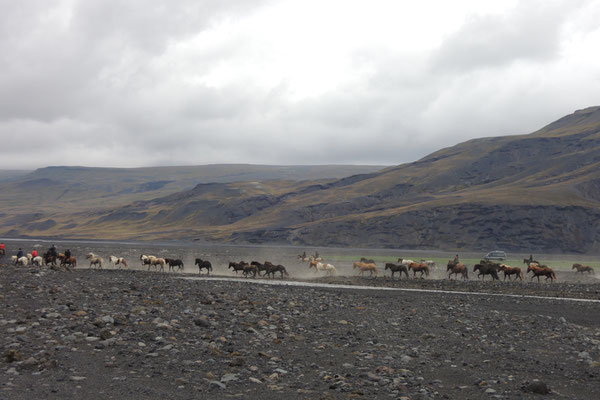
<point x="138" y="334"/>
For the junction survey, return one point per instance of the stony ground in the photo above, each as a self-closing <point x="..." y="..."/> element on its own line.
<point x="136" y="335"/>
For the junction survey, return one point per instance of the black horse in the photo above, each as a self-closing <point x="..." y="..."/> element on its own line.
<point x="203" y="264"/>
<point x="261" y="267"/>
<point x="175" y="263"/>
<point x="367" y="261"/>
<point x="486" y="269"/>
<point x="272" y="269"/>
<point x="397" y="268"/>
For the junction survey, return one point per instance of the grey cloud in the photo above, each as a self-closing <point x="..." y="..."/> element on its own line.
<point x="529" y="32"/>
<point x="96" y="87"/>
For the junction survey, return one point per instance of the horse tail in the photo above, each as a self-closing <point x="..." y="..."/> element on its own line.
<point x="521" y="274"/>
<point x="554" y="276"/>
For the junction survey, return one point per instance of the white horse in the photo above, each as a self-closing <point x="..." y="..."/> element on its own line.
<point x="95" y="260"/>
<point x="37" y="261"/>
<point x="29" y="257"/>
<point x="328" y="268"/>
<point x="21" y="261"/>
<point x="405" y="262"/>
<point x="117" y="261"/>
<point x="430" y="263"/>
<point x="156" y="261"/>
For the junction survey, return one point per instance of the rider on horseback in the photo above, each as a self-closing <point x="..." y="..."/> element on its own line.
<point x="455" y="261"/>
<point x="20" y="253"/>
<point x="67" y="254"/>
<point x="52" y="251"/>
<point x="2" y="249"/>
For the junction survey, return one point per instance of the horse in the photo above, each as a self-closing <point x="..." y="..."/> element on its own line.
<point x="37" y="261"/>
<point x="272" y="269"/>
<point x="146" y="260"/>
<point x="95" y="260"/>
<point x="367" y="261"/>
<point x="204" y="264"/>
<point x="397" y="268"/>
<point x="249" y="269"/>
<point x="174" y="263"/>
<point x="29" y="257"/>
<point x="117" y="261"/>
<point x="67" y="262"/>
<point x="430" y="263"/>
<point x="416" y="267"/>
<point x="541" y="271"/>
<point x="508" y="271"/>
<point x="328" y="268"/>
<point x="486" y="269"/>
<point x="583" y="268"/>
<point x="261" y="267"/>
<point x="49" y="259"/>
<point x="371" y="267"/>
<point x="457" y="268"/>
<point x="236" y="266"/>
<point x="405" y="261"/>
<point x="156" y="262"/>
<point x="20" y="261"/>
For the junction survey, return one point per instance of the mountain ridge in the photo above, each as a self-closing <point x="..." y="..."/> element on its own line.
<point x="533" y="192"/>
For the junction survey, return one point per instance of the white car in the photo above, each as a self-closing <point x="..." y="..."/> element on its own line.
<point x="495" y="255"/>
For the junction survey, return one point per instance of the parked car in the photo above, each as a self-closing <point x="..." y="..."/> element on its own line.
<point x="495" y="255"/>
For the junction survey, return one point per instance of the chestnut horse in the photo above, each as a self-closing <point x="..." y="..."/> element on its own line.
<point x="583" y="268"/>
<point x="416" y="267"/>
<point x="371" y="267"/>
<point x="541" y="271"/>
<point x="457" y="268"/>
<point x="508" y="271"/>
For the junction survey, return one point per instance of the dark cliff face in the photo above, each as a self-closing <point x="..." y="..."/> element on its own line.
<point x="468" y="226"/>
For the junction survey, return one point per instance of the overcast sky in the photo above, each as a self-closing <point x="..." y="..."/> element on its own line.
<point x="150" y="82"/>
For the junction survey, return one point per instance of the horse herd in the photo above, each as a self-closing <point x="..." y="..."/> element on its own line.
<point x="269" y="269"/>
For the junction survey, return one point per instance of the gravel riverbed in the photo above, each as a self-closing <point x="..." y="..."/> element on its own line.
<point x="136" y="334"/>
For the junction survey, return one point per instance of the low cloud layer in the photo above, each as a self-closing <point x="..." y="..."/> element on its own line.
<point x="141" y="83"/>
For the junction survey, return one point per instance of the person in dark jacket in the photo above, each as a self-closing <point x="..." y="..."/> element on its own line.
<point x="67" y="254"/>
<point x="20" y="253"/>
<point x="52" y="251"/>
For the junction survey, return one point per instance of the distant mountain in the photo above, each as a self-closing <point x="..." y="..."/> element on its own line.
<point x="536" y="192"/>
<point x="83" y="188"/>
<point x="11" y="174"/>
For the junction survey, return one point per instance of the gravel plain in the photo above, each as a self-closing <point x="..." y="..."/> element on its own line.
<point x="140" y="334"/>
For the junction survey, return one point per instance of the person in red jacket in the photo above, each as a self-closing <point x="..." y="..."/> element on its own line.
<point x="34" y="253"/>
<point x="2" y="250"/>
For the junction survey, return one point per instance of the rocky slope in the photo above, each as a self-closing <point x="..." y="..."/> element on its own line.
<point x="536" y="192"/>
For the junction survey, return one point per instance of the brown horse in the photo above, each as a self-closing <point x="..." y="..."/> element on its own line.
<point x="371" y="267"/>
<point x="508" y="271"/>
<point x="236" y="266"/>
<point x="457" y="268"/>
<point x="416" y="267"/>
<point x="541" y="271"/>
<point x="67" y="263"/>
<point x="583" y="268"/>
